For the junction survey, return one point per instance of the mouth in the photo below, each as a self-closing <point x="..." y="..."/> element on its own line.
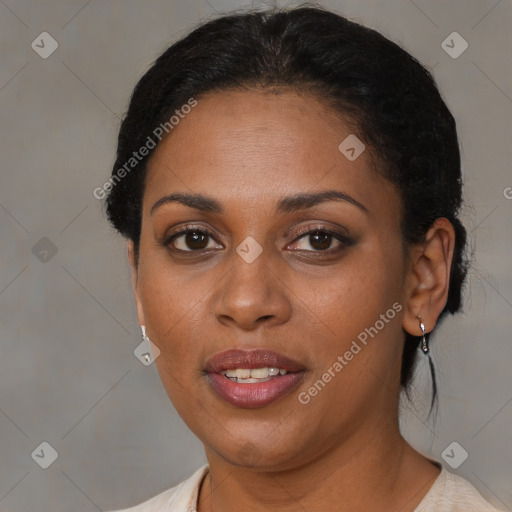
<point x="252" y="378"/>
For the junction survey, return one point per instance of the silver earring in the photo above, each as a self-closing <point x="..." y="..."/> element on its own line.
<point x="147" y="341"/>
<point x="148" y="351"/>
<point x="424" y="343"/>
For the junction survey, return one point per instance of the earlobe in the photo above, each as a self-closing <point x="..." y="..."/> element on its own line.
<point x="429" y="277"/>
<point x="135" y="282"/>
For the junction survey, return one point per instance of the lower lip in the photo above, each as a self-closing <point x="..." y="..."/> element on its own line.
<point x="257" y="394"/>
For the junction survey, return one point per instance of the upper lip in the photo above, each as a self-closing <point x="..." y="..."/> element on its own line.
<point x="257" y="358"/>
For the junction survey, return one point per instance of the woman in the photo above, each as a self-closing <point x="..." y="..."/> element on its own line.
<point x="289" y="184"/>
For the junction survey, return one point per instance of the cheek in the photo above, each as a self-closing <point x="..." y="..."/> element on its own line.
<point x="354" y="295"/>
<point x="361" y="323"/>
<point x="171" y="309"/>
<point x="171" y="316"/>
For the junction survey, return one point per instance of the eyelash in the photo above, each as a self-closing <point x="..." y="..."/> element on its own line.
<point x="344" y="240"/>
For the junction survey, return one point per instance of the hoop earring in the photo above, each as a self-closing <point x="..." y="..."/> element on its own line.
<point x="424" y="342"/>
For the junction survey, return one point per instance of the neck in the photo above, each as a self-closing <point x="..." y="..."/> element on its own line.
<point x="375" y="469"/>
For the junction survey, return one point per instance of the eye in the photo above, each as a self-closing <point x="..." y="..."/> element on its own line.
<point x="194" y="239"/>
<point x="191" y="239"/>
<point x="320" y="239"/>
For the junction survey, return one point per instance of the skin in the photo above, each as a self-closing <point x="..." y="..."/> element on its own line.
<point x="343" y="450"/>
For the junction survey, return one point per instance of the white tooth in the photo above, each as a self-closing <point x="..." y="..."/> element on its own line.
<point x="251" y="381"/>
<point x="254" y="375"/>
<point x="259" y="373"/>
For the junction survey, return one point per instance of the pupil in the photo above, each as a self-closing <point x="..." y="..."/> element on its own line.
<point x="323" y="239"/>
<point x="196" y="240"/>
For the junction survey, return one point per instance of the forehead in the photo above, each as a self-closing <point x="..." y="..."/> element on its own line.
<point x="251" y="147"/>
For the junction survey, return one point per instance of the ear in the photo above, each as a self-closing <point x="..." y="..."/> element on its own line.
<point x="429" y="277"/>
<point x="135" y="282"/>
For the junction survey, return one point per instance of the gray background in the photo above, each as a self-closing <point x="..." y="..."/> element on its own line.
<point x="68" y="375"/>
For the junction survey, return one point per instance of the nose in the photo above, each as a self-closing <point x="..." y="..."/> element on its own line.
<point x="252" y="294"/>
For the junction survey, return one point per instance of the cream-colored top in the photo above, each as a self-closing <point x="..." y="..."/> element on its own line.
<point x="449" y="493"/>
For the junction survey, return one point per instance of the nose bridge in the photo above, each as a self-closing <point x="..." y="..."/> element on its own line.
<point x="251" y="290"/>
<point x="250" y="269"/>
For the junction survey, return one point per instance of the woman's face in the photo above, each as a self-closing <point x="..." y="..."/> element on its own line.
<point x="257" y="281"/>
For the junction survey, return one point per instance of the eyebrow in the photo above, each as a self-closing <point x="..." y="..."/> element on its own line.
<point x="286" y="204"/>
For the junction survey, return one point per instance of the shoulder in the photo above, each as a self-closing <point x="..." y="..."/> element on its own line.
<point x="180" y="498"/>
<point x="452" y="493"/>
